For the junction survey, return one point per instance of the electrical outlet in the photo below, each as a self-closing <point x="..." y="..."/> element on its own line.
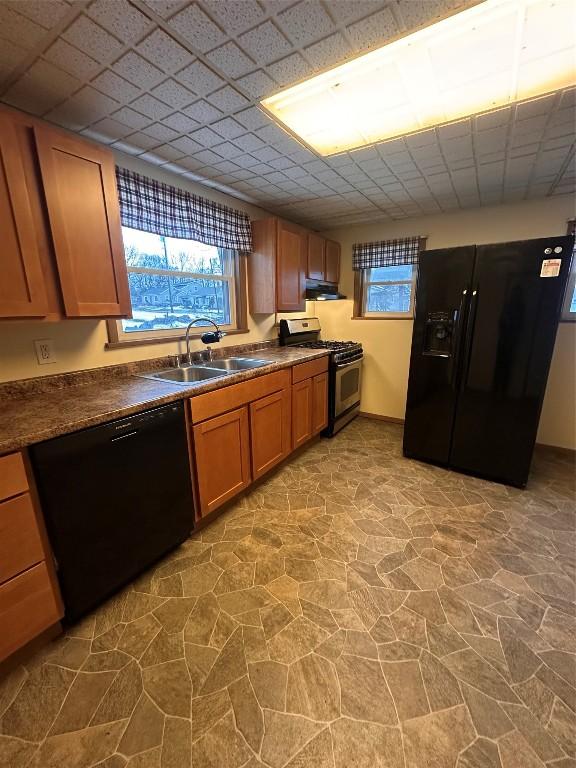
<point x="45" y="351"/>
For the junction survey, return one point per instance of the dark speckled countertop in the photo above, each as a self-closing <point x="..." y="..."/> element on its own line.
<point x="29" y="416"/>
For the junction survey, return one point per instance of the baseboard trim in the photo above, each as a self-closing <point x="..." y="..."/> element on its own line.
<point x="380" y="417"/>
<point x="569" y="452"/>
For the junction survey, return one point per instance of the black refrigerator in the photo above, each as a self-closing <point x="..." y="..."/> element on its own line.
<point x="484" y="332"/>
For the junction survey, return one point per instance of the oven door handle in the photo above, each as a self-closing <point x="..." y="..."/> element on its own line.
<point x="339" y="366"/>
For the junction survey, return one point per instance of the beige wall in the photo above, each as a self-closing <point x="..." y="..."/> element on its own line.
<point x="387" y="342"/>
<point x="81" y="343"/>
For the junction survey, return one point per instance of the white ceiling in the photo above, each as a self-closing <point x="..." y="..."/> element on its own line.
<point x="178" y="83"/>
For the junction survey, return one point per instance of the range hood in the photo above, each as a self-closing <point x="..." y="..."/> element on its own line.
<point x="318" y="291"/>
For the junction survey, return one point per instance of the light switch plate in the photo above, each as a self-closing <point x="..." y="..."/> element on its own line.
<point x="45" y="351"/>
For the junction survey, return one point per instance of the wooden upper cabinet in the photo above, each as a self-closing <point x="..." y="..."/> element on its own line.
<point x="270" y="431"/>
<point x="332" y="262"/>
<point x="80" y="189"/>
<point x="290" y="268"/>
<point x="277" y="267"/>
<point x="22" y="292"/>
<point x="316" y="245"/>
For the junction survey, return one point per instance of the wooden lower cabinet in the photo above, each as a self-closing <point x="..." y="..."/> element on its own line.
<point x="319" y="403"/>
<point x="270" y="422"/>
<point x="301" y="412"/>
<point x="28" y="606"/>
<point x="20" y="541"/>
<point x="222" y="453"/>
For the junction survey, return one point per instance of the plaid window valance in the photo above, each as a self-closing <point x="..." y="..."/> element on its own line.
<point x="386" y="253"/>
<point x="152" y="206"/>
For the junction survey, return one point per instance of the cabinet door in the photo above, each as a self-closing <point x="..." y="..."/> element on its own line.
<point x="22" y="292"/>
<point x="332" y="268"/>
<point x="301" y="412"/>
<point x="269" y="431"/>
<point x="80" y="188"/>
<point x="222" y="450"/>
<point x="316" y="246"/>
<point x="319" y="403"/>
<point x="290" y="268"/>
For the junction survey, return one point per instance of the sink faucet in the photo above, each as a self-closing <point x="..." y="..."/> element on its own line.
<point x="207" y="338"/>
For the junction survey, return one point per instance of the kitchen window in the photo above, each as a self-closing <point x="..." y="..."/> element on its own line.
<point x="569" y="307"/>
<point x="185" y="257"/>
<point x="389" y="291"/>
<point x="385" y="278"/>
<point x="173" y="281"/>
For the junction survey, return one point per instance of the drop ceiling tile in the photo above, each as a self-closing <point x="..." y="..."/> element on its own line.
<point x="266" y="154"/>
<point x="115" y="86"/>
<point x="197" y="28"/>
<point x="228" y="99"/>
<point x="290" y="70"/>
<point x="131" y="118"/>
<point x="258" y="84"/>
<point x="228" y="128"/>
<point x="93" y="105"/>
<point x="305" y="22"/>
<point x="206" y="137"/>
<point x="164" y="52"/>
<point x="331" y="50"/>
<point x="120" y="18"/>
<point x="126" y="147"/>
<point x="46" y="13"/>
<point x="71" y="60"/>
<point x="455" y="130"/>
<point x="234" y="17"/>
<point x="252" y="118"/>
<point x="200" y="78"/>
<point x="24" y="94"/>
<point x="89" y="37"/>
<point x="207" y="156"/>
<point x="231" y="60"/>
<point x="161" y="132"/>
<point x="228" y="150"/>
<point x="493" y="140"/>
<point x="186" y="145"/>
<point x="249" y="142"/>
<point x="265" y="42"/>
<point x="174" y="94"/>
<point x="142" y="141"/>
<point x="151" y="107"/>
<point x="10" y="55"/>
<point x="281" y="163"/>
<point x="107" y="130"/>
<point x="165" y="8"/>
<point x="179" y="122"/>
<point x="493" y="119"/>
<point x="138" y="71"/>
<point x="168" y="152"/>
<point x="374" y="30"/>
<point x="202" y="111"/>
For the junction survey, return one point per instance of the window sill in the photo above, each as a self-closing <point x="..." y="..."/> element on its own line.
<point x="163" y="339"/>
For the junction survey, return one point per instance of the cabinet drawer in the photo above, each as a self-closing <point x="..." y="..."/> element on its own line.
<point x="311" y="368"/>
<point x="20" y="543"/>
<point x="13" y="478"/>
<point x="28" y="606"/>
<point x="236" y="395"/>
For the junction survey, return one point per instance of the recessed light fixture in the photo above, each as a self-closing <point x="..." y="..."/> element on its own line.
<point x="491" y="55"/>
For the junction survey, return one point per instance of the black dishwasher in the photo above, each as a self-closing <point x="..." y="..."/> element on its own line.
<point x="116" y="498"/>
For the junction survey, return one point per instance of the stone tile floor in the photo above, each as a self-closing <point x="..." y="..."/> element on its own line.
<point x="355" y="610"/>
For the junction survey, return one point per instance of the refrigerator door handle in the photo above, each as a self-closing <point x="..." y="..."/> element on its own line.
<point x="471" y="322"/>
<point x="457" y="347"/>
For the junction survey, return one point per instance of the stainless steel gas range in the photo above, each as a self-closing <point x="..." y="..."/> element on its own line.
<point x="344" y="369"/>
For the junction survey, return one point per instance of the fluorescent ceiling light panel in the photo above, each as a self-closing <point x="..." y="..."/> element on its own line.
<point x="493" y="54"/>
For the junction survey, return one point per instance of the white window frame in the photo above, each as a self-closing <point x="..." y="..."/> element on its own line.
<point x="118" y="335"/>
<point x="568" y="316"/>
<point x="366" y="283"/>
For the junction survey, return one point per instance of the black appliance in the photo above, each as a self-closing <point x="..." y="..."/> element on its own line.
<point x="344" y="368"/>
<point x="116" y="497"/>
<point x="484" y="331"/>
<point x="318" y="291"/>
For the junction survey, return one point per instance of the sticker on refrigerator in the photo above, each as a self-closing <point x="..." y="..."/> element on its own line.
<point x="550" y="267"/>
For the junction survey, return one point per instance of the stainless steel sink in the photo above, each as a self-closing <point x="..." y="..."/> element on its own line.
<point x="236" y="363"/>
<point x="188" y="374"/>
